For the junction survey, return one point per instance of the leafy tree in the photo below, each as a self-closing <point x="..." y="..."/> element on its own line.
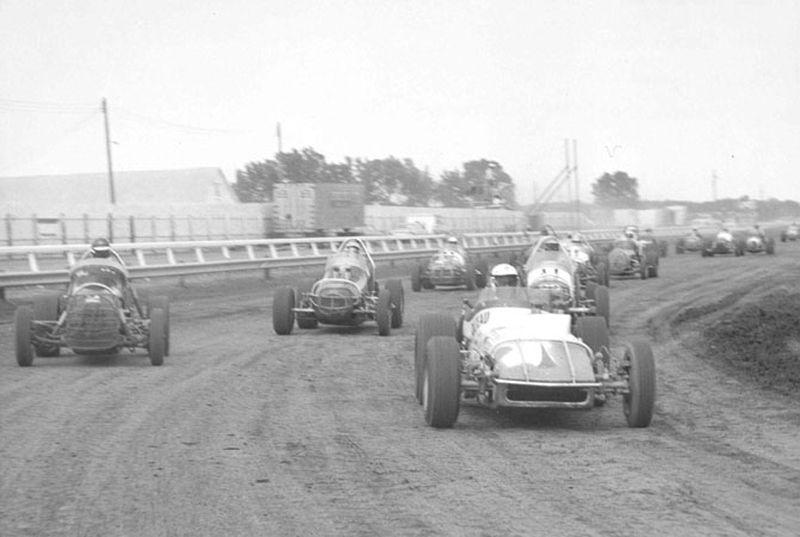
<point x="617" y="190"/>
<point x="487" y="180"/>
<point x="392" y="181"/>
<point x="255" y="183"/>
<point x="452" y="190"/>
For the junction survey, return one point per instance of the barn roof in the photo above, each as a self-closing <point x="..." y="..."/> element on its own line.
<point x="182" y="186"/>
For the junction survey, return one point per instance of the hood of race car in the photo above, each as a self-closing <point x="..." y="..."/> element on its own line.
<point x="534" y="347"/>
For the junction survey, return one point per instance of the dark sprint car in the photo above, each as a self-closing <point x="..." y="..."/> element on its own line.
<point x="451" y="265"/>
<point x="348" y="294"/>
<point x="99" y="314"/>
<point x="631" y="257"/>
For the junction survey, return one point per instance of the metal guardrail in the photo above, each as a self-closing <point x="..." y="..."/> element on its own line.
<point x="46" y="265"/>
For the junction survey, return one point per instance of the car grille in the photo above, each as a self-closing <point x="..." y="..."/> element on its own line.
<point x="92" y="322"/>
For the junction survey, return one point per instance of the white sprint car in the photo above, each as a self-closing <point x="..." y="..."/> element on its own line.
<point x="508" y="350"/>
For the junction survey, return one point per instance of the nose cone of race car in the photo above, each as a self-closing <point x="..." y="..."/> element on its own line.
<point x="543" y="361"/>
<point x="93" y="323"/>
<point x="335" y="297"/>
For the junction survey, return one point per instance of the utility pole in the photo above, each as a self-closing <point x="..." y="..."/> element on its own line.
<point x="577" y="184"/>
<point x="714" y="185"/>
<point x="280" y="137"/>
<point x="111" y="193"/>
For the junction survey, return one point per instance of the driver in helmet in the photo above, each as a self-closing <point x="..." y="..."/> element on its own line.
<point x="758" y="232"/>
<point x="100" y="248"/>
<point x="452" y="241"/>
<point x="505" y="275"/>
<point x="724" y="235"/>
<point x="353" y="249"/>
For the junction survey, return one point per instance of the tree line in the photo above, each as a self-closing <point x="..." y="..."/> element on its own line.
<point x="387" y="181"/>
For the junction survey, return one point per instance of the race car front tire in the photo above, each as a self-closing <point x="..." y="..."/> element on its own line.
<point x="638" y="403"/>
<point x="23" y="318"/>
<point x="441" y="382"/>
<point x="282" y="314"/>
<point x="429" y="325"/>
<point x="383" y="312"/>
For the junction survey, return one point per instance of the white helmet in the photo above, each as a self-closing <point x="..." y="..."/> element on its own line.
<point x="452" y="240"/>
<point x="504" y="275"/>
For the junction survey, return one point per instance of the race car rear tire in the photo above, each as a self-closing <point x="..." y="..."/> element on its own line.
<point x="383" y="312"/>
<point x="163" y="303"/>
<point x="282" y="314"/>
<point x="602" y="273"/>
<point x="441" y="382"/>
<point x="157" y="338"/>
<point x="22" y="327"/>
<point x="771" y="246"/>
<point x="416" y="279"/>
<point x="591" y="287"/>
<point x="638" y="403"/>
<point x="652" y="271"/>
<point x="469" y="277"/>
<point x="398" y="301"/>
<point x="482" y="275"/>
<point x="643" y="272"/>
<point x="593" y="331"/>
<point x="602" y="302"/>
<point x="45" y="308"/>
<point x="429" y="325"/>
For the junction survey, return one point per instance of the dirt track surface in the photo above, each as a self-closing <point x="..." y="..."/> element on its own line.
<point x="243" y="432"/>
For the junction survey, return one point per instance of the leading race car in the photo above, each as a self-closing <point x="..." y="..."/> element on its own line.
<point x="451" y="265"/>
<point x="99" y="314"/>
<point x="791" y="233"/>
<point x="550" y="268"/>
<point x="511" y="351"/>
<point x="590" y="266"/>
<point x="348" y="294"/>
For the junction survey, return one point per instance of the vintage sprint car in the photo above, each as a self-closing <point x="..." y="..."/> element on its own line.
<point x="511" y="352"/>
<point x="99" y="314"/>
<point x="723" y="243"/>
<point x="550" y="267"/>
<point x="756" y="243"/>
<point x="791" y="233"/>
<point x="692" y="242"/>
<point x="348" y="294"/>
<point x="451" y="265"/>
<point x="633" y="257"/>
<point x="590" y="266"/>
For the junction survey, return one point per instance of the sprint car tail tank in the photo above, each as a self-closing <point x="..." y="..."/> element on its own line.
<point x="93" y="323"/>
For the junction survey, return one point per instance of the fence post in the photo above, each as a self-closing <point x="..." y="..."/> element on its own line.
<point x="153" y="229"/>
<point x="85" y="227"/>
<point x="63" y="220"/>
<point x="110" y="227"/>
<point x="9" y="228"/>
<point x="34" y="229"/>
<point x="189" y="227"/>
<point x="132" y="227"/>
<point x="172" y="226"/>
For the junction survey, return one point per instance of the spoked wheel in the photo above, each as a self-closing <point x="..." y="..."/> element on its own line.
<point x="429" y="325"/>
<point x="441" y="390"/>
<point x="23" y="318"/>
<point x="640" y="366"/>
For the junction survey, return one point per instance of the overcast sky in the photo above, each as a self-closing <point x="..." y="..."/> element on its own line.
<point x="667" y="91"/>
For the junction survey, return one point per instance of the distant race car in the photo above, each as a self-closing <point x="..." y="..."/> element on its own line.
<point x="756" y="243"/>
<point x="451" y="265"/>
<point x="721" y="244"/>
<point x="633" y="257"/>
<point x="791" y="233"/>
<point x="99" y="314"/>
<point x="689" y="243"/>
<point x="550" y="268"/>
<point x="348" y="294"/>
<point x="509" y="350"/>
<point x="590" y="266"/>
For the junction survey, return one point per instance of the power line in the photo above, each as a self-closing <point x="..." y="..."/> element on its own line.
<point x="18" y="105"/>
<point x="163" y="123"/>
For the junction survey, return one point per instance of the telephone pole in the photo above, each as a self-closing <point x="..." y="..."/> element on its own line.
<point x="108" y="156"/>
